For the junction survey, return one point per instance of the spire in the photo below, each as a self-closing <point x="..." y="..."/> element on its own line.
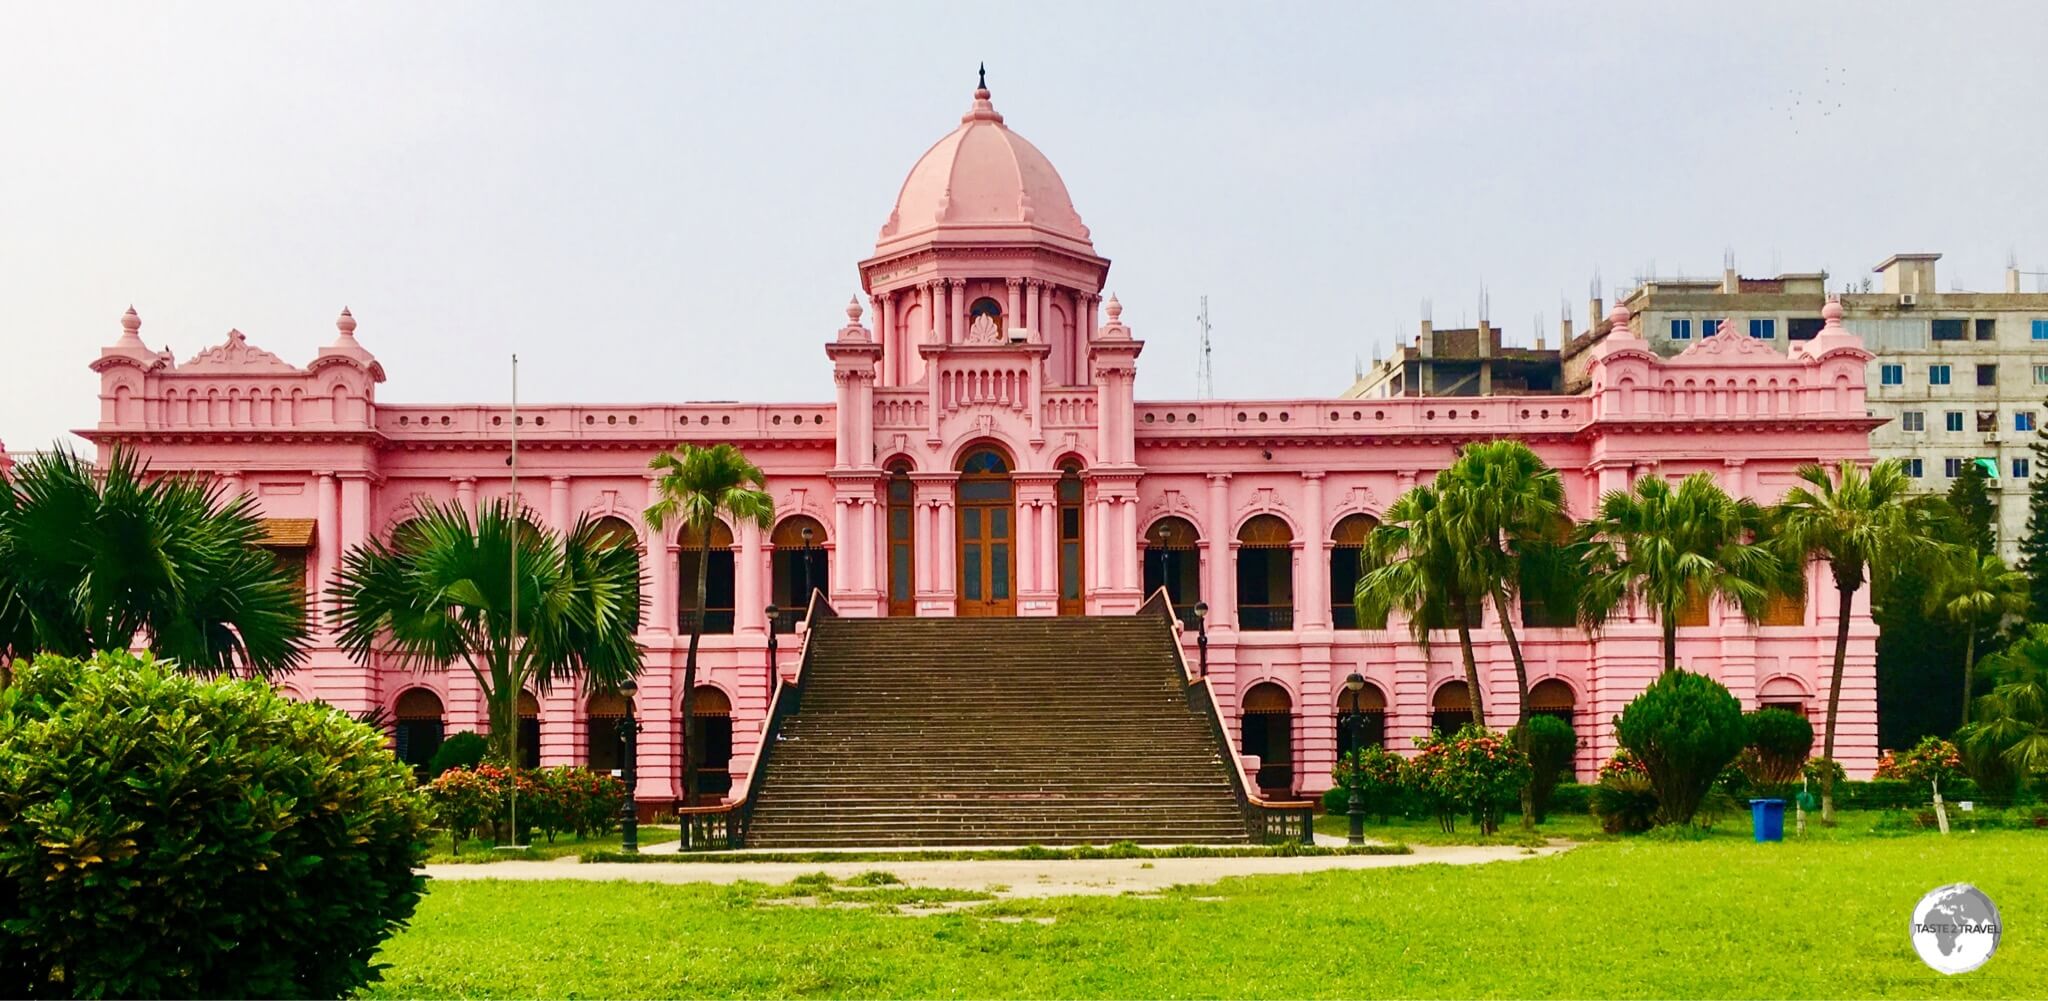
<point x="981" y="78"/>
<point x="983" y="110"/>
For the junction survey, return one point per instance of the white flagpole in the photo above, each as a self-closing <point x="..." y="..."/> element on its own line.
<point x="512" y="630"/>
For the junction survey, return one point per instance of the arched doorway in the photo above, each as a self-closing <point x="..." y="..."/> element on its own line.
<point x="1173" y="561"/>
<point x="1451" y="707"/>
<point x="1361" y="719"/>
<point x="1783" y="693"/>
<point x="986" y="522"/>
<point x="529" y="731"/>
<point x="902" y="541"/>
<point x="719" y="592"/>
<point x="1267" y="730"/>
<point x="1347" y="546"/>
<point x="418" y="727"/>
<point x="604" y="747"/>
<point x="801" y="564"/>
<point x="1072" y="544"/>
<point x="1551" y="697"/>
<point x="711" y="741"/>
<point x="1265" y="575"/>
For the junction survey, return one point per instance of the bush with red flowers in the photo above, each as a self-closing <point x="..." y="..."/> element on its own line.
<point x="1475" y="771"/>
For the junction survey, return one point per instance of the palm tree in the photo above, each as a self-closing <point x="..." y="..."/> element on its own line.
<point x="1412" y="562"/>
<point x="1973" y="591"/>
<point x="2009" y="736"/>
<point x="1854" y="521"/>
<point x="444" y="592"/>
<point x="92" y="558"/>
<point x="697" y="486"/>
<point x="1508" y="502"/>
<point x="1669" y="547"/>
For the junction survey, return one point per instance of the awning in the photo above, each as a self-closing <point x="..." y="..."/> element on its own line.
<point x="287" y="533"/>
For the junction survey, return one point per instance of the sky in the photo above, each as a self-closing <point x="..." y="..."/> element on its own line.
<point x="667" y="202"/>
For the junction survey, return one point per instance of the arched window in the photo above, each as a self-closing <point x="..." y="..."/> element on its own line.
<point x="1361" y="719"/>
<point x="1451" y="708"/>
<point x="418" y="727"/>
<point x="616" y="530"/>
<point x="604" y="744"/>
<point x="800" y="565"/>
<point x="529" y="731"/>
<point x="1265" y="575"/>
<point x="1173" y="561"/>
<point x="902" y="541"/>
<point x="1268" y="731"/>
<point x="711" y="741"/>
<point x="1551" y="697"/>
<point x="988" y="307"/>
<point x="718" y="580"/>
<point x="1071" y="541"/>
<point x="1783" y="693"/>
<point x="985" y="516"/>
<point x="1347" y="547"/>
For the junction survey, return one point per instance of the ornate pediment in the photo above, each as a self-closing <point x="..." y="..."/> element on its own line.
<point x="984" y="330"/>
<point x="236" y="354"/>
<point x="1730" y="346"/>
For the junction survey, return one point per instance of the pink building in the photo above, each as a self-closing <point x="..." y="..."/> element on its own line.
<point x="982" y="454"/>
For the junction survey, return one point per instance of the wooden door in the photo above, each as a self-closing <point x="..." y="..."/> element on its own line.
<point x="987" y="518"/>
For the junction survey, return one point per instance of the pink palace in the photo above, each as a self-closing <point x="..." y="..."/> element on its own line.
<point x="982" y="454"/>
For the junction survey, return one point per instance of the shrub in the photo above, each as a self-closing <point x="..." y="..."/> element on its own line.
<point x="1930" y="761"/>
<point x="1624" y="803"/>
<point x="1551" y="747"/>
<point x="464" y="800"/>
<point x="162" y="835"/>
<point x="1378" y="775"/>
<point x="1475" y="771"/>
<point x="1779" y="741"/>
<point x="1622" y="763"/>
<point x="1685" y="728"/>
<point x="461" y="750"/>
<point x="551" y="801"/>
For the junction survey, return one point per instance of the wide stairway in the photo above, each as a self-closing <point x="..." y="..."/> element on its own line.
<point x="1008" y="731"/>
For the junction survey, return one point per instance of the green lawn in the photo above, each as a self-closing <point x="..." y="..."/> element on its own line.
<point x="564" y="845"/>
<point x="1719" y="917"/>
<point x="1576" y="827"/>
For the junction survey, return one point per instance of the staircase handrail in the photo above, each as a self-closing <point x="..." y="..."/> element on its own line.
<point x="1268" y="818"/>
<point x="728" y="821"/>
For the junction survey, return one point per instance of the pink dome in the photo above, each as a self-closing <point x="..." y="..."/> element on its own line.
<point x="983" y="182"/>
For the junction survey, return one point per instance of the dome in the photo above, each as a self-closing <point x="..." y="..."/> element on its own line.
<point x="983" y="182"/>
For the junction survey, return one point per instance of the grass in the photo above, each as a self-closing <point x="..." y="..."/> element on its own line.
<point x="483" y="850"/>
<point x="1579" y="827"/>
<point x="1712" y="917"/>
<point x="1119" y="850"/>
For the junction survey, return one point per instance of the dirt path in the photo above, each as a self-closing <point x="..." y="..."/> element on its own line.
<point x="1004" y="877"/>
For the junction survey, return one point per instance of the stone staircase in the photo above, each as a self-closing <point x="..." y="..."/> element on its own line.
<point x="1007" y="731"/>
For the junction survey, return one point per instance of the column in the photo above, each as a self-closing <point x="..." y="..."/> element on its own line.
<point x="1049" y="546"/>
<point x="1735" y="478"/>
<point x="328" y="537"/>
<point x="355" y="512"/>
<point x="1013" y="318"/>
<point x="959" y="310"/>
<point x="841" y="581"/>
<point x="1127" y="543"/>
<point x="1025" y="548"/>
<point x="879" y="306"/>
<point x="558" y="503"/>
<point x="1031" y="302"/>
<point x="750" y="617"/>
<point x="865" y="524"/>
<point x="1216" y="539"/>
<point x="661" y="572"/>
<point x="1096" y="545"/>
<point x="465" y="493"/>
<point x="1045" y="333"/>
<point x="1312" y="605"/>
<point x="948" y="574"/>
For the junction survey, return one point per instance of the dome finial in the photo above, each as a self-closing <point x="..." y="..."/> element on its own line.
<point x="981" y="77"/>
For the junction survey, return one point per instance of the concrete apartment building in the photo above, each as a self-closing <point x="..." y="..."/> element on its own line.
<point x="1961" y="376"/>
<point x="1464" y="361"/>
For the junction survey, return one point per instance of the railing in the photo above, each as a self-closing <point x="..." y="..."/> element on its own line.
<point x="1265" y="618"/>
<point x="717" y="621"/>
<point x="724" y="825"/>
<point x="1268" y="821"/>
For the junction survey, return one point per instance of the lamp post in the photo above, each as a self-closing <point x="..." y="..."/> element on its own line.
<point x="629" y="812"/>
<point x="1352" y="686"/>
<point x="1202" y="634"/>
<point x="804" y="595"/>
<point x="772" y="665"/>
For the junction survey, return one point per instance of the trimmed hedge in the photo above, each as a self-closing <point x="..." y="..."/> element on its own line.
<point x="167" y="836"/>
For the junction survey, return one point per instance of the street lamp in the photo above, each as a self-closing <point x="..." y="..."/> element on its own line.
<point x="772" y="613"/>
<point x="804" y="595"/>
<point x="1352" y="686"/>
<point x="1202" y="634"/>
<point x="629" y="812"/>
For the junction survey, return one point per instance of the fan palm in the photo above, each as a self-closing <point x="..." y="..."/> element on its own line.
<point x="1855" y="522"/>
<point x="698" y="485"/>
<point x="1670" y="547"/>
<point x="1507" y="503"/>
<point x="90" y="559"/>
<point x="1412" y="562"/>
<point x="1975" y="591"/>
<point x="2008" y="739"/>
<point x="444" y="593"/>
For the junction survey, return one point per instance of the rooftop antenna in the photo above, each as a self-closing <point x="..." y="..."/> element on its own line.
<point x="1205" y="374"/>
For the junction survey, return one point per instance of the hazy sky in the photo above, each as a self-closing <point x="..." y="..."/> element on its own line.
<point x="666" y="202"/>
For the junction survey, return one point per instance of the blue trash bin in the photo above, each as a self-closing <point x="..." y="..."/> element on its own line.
<point x="1767" y="819"/>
